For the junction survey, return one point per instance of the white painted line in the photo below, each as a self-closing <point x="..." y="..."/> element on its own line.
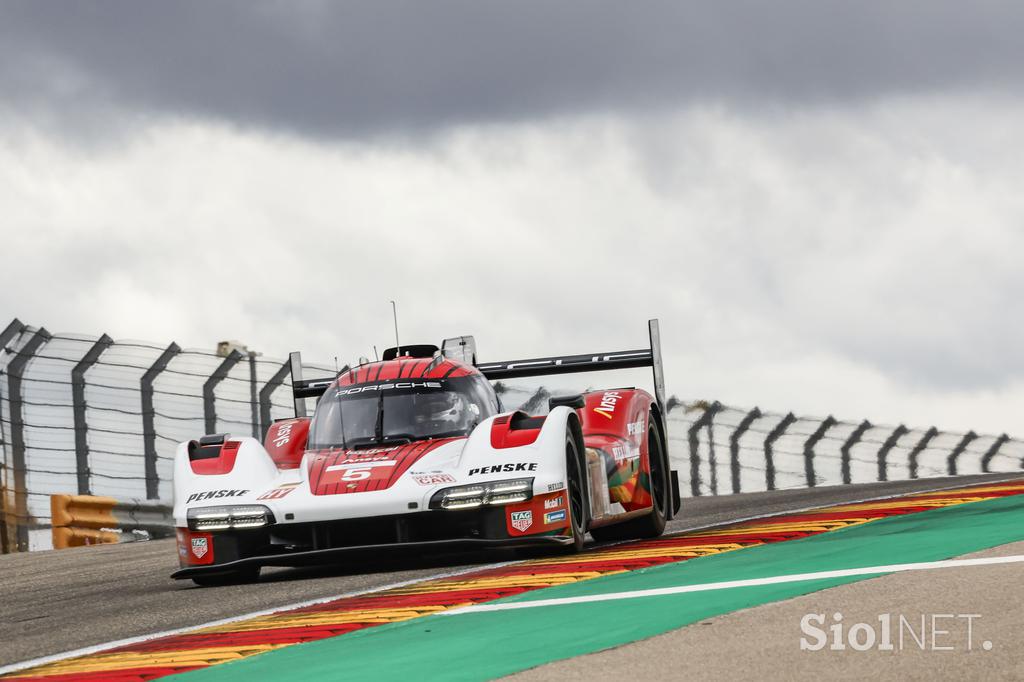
<point x="731" y="584"/>
<point x="99" y="648"/>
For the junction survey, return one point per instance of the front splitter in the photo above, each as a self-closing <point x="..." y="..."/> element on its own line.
<point x="325" y="556"/>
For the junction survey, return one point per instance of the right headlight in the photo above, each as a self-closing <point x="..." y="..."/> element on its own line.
<point x="229" y="517"/>
<point x="480" y="494"/>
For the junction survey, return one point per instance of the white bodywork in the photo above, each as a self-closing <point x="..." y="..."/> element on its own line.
<point x="255" y="474"/>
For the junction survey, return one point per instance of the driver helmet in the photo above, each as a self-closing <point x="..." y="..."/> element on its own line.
<point x="445" y="411"/>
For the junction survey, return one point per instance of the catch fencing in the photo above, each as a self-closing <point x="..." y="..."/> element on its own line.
<point x="724" y="450"/>
<point x="83" y="415"/>
<point x="93" y="416"/>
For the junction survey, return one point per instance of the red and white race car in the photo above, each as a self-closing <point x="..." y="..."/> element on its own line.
<point x="417" y="451"/>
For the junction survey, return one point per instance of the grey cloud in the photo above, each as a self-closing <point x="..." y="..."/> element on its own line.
<point x="363" y="67"/>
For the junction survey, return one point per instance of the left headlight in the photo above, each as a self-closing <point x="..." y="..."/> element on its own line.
<point x="493" y="492"/>
<point x="230" y="517"/>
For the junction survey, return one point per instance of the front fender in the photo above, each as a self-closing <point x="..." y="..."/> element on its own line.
<point x="241" y="476"/>
<point x="492" y="453"/>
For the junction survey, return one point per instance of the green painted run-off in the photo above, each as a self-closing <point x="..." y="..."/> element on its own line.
<point x="480" y="646"/>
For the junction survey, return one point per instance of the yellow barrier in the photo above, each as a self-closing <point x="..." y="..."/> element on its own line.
<point x="80" y="519"/>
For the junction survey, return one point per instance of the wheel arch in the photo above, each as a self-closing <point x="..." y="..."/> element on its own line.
<point x="575" y="429"/>
<point x="658" y="419"/>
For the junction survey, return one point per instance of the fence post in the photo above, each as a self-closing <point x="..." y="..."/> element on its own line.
<point x="705" y="419"/>
<point x="887" y="446"/>
<point x="847" y="448"/>
<point x="829" y="422"/>
<point x="15" y="374"/>
<point x="209" y="404"/>
<point x="919" y="448"/>
<point x="986" y="460"/>
<point x="148" y="414"/>
<point x="265" y="393"/>
<point x="252" y="395"/>
<point x="78" y="408"/>
<point x="10" y="331"/>
<point x="959" y="450"/>
<point x="734" y="447"/>
<point x="769" y="449"/>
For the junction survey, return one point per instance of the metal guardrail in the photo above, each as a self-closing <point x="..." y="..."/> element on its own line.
<point x="79" y="520"/>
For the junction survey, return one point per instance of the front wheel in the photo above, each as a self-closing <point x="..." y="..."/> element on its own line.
<point x="574" y="488"/>
<point x="577" y="507"/>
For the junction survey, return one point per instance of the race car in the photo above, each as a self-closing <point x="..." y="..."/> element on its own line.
<point x="415" y="451"/>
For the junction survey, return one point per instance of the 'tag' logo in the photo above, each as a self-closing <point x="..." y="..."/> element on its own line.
<point x="199" y="547"/>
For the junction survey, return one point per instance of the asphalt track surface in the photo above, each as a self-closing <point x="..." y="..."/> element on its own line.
<point x="51" y="602"/>
<point x="736" y="645"/>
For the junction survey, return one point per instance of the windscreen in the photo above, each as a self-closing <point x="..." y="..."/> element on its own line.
<point x="400" y="411"/>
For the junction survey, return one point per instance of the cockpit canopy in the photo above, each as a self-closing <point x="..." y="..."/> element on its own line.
<point x="399" y="411"/>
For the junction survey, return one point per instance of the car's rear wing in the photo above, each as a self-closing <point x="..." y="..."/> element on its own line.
<point x="312" y="388"/>
<point x="516" y="369"/>
<point x="593" y="362"/>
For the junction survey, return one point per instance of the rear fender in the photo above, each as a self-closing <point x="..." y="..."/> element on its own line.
<point x="615" y="424"/>
<point x="286" y="441"/>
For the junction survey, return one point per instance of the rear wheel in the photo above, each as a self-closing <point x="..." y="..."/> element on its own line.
<point x="650" y="525"/>
<point x="237" y="577"/>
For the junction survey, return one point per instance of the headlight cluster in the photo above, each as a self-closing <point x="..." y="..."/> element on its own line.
<point x="231" y="517"/>
<point x="494" y="493"/>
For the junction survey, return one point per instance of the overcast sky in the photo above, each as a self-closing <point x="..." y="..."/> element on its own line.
<point x="820" y="200"/>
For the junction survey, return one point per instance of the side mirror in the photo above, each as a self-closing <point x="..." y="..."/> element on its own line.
<point x="576" y="402"/>
<point x="461" y="348"/>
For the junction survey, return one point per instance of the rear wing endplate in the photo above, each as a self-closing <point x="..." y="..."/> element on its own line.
<point x="302" y="389"/>
<point x="594" y="362"/>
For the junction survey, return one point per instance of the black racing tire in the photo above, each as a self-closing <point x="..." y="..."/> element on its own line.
<point x="575" y="491"/>
<point x="577" y="506"/>
<point x="239" y="576"/>
<point x="650" y="525"/>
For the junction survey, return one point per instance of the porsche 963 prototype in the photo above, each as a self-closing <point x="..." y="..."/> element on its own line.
<point x="417" y="451"/>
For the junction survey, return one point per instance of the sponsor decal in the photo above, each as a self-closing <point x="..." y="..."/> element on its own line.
<point x="521" y="520"/>
<point x="504" y="468"/>
<point x="278" y="492"/>
<point x="555" y="487"/>
<point x="284" y="434"/>
<point x="389" y="387"/>
<point x="194" y="548"/>
<point x="199" y="547"/>
<point x="362" y="464"/>
<point x="608" y="402"/>
<point x="215" y="494"/>
<point x="553" y="503"/>
<point x="624" y="452"/>
<point x="375" y="451"/>
<point x="554" y="517"/>
<point x="636" y="427"/>
<point x="432" y="479"/>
